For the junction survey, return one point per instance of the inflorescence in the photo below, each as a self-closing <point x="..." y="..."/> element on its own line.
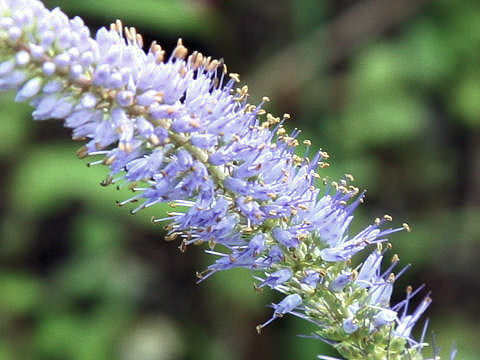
<point x="178" y="130"/>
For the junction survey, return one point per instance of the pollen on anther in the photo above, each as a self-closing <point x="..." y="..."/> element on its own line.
<point x="139" y="40"/>
<point x="119" y="25"/>
<point x="324" y="155"/>
<point x="180" y="51"/>
<point x="212" y="65"/>
<point x="235" y="77"/>
<point x="82" y="152"/>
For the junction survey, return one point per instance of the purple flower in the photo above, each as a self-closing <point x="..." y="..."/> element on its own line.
<point x="312" y="278"/>
<point x="288" y="304"/>
<point x="284" y="237"/>
<point x="339" y="283"/>
<point x="350" y="326"/>
<point x="183" y="129"/>
<point x="277" y="278"/>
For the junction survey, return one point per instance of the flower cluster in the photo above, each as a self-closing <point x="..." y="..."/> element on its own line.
<point x="178" y="130"/>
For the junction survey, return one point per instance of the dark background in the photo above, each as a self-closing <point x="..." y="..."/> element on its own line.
<point x="390" y="88"/>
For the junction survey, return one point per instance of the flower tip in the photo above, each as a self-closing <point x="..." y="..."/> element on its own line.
<point x="107" y="181"/>
<point x="82" y="152"/>
<point x="235" y="77"/>
<point x="180" y="51"/>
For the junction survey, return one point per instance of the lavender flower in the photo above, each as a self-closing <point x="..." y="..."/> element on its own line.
<point x="178" y="130"/>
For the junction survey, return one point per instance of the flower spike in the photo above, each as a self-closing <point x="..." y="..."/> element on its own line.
<point x="178" y="129"/>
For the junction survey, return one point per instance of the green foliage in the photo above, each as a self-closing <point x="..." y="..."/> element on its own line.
<point x="19" y="294"/>
<point x="82" y="279"/>
<point x="15" y="131"/>
<point x="38" y="182"/>
<point x="175" y="17"/>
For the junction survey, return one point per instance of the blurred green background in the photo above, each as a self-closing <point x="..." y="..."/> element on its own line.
<point x="390" y="88"/>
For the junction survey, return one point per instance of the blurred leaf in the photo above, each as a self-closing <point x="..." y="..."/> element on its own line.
<point x="15" y="236"/>
<point x="175" y="17"/>
<point x="235" y="288"/>
<point x="105" y="276"/>
<point x="378" y="68"/>
<point x="52" y="174"/>
<point x="5" y="353"/>
<point x="456" y="329"/>
<point x="430" y="59"/>
<point x="13" y="126"/>
<point x="295" y="347"/>
<point x="74" y="337"/>
<point x="96" y="234"/>
<point x="461" y="29"/>
<point x="19" y="293"/>
<point x="441" y="234"/>
<point x="383" y="119"/>
<point x="307" y="14"/>
<point x="466" y="99"/>
<point x="210" y="347"/>
<point x="154" y="338"/>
